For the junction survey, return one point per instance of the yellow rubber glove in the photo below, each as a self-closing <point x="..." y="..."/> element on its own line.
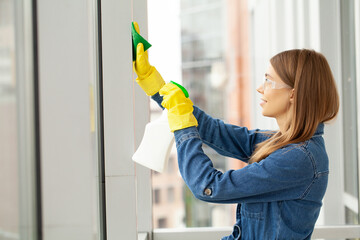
<point x="148" y="78"/>
<point x="180" y="109"/>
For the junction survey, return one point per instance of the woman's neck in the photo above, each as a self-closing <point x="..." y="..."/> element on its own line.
<point x="283" y="124"/>
<point x="283" y="120"/>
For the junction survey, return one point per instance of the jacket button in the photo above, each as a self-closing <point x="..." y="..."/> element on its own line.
<point x="208" y="192"/>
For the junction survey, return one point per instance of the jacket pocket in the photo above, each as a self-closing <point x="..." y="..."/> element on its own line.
<point x="252" y="210"/>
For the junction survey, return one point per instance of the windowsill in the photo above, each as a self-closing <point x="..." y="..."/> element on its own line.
<point x="320" y="232"/>
<point x="191" y="233"/>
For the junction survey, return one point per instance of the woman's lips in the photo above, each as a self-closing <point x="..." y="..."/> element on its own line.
<point x="263" y="102"/>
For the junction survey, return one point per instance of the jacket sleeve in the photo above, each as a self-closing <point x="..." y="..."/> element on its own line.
<point x="226" y="139"/>
<point x="283" y="175"/>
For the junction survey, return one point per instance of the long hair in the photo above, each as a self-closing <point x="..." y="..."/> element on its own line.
<point x="316" y="99"/>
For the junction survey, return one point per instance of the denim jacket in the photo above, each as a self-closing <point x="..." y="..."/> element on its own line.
<point x="278" y="198"/>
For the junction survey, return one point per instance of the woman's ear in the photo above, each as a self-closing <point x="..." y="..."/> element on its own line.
<point x="292" y="92"/>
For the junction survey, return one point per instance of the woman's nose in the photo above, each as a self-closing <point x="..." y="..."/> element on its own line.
<point x="260" y="89"/>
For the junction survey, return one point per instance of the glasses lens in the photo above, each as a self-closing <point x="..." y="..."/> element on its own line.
<point x="266" y="83"/>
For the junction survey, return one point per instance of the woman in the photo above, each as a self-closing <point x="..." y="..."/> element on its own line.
<point x="279" y="193"/>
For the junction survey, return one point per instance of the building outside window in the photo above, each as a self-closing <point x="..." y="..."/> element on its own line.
<point x="222" y="49"/>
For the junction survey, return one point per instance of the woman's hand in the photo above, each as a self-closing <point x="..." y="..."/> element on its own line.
<point x="180" y="108"/>
<point x="148" y="78"/>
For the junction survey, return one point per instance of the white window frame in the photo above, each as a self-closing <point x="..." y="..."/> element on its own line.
<point x="126" y="111"/>
<point x="68" y="176"/>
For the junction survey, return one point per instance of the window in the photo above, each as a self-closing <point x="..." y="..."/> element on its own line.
<point x="172" y="163"/>
<point x="223" y="48"/>
<point x="68" y="103"/>
<point x="157" y="196"/>
<point x="162" y="223"/>
<point x="68" y="76"/>
<point x="170" y="194"/>
<point x="202" y="58"/>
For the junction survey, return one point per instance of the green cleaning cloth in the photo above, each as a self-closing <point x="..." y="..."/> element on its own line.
<point x="136" y="39"/>
<point x="182" y="89"/>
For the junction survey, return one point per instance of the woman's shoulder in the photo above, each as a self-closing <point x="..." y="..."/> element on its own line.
<point x="304" y="155"/>
<point x="290" y="161"/>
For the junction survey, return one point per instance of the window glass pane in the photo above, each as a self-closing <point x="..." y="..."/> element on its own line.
<point x="349" y="97"/>
<point x="18" y="218"/>
<point x="350" y="111"/>
<point x="69" y="126"/>
<point x="9" y="174"/>
<point x="202" y="58"/>
<point x="223" y="49"/>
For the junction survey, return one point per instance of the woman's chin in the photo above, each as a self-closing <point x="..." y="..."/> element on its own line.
<point x="265" y="114"/>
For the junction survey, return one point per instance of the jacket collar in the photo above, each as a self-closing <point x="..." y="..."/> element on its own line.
<point x="319" y="130"/>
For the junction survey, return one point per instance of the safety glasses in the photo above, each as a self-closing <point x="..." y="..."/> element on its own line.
<point x="270" y="84"/>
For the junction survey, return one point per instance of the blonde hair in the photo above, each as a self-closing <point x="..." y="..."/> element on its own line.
<point x="316" y="99"/>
